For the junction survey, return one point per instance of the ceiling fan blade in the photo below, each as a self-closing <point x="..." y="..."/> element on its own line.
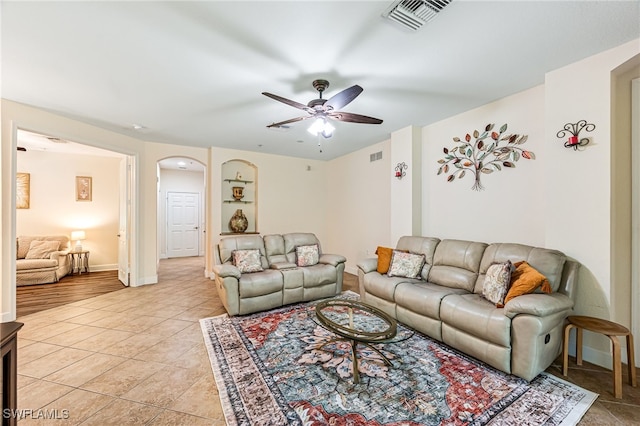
<point x="286" y="101"/>
<point x="353" y="118"/>
<point x="341" y="99"/>
<point x="293" y="120"/>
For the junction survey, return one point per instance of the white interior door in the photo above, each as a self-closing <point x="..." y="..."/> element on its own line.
<point x="124" y="215"/>
<point x="183" y="224"/>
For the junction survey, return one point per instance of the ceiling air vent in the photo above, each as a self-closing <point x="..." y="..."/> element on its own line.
<point x="413" y="14"/>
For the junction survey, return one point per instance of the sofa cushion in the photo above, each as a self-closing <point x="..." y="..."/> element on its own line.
<point x="307" y="255"/>
<point x="383" y="286"/>
<point x="295" y="239"/>
<point x="275" y="252"/>
<point x="26" y="264"/>
<point x="260" y="283"/>
<point x="423" y="298"/>
<point x="228" y="245"/>
<point x="549" y="262"/>
<point x="408" y="265"/>
<point x="247" y="260"/>
<point x="24" y="241"/>
<point x="456" y="263"/>
<point x="496" y="282"/>
<point x="318" y="275"/>
<point x="475" y="315"/>
<point x="42" y="249"/>
<point x="526" y="279"/>
<point x="420" y="245"/>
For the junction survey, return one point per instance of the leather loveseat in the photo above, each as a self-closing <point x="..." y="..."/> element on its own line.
<point x="446" y="301"/>
<point x="278" y="278"/>
<point x="42" y="259"/>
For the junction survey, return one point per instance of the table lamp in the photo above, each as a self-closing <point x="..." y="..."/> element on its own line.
<point x="78" y="236"/>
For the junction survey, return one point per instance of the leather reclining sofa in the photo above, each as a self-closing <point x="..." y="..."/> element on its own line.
<point x="446" y="301"/>
<point x="281" y="281"/>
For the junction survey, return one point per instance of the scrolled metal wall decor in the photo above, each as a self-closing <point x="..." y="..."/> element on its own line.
<point x="574" y="130"/>
<point x="400" y="170"/>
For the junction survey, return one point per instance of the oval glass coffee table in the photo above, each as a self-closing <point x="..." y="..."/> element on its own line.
<point x="358" y="322"/>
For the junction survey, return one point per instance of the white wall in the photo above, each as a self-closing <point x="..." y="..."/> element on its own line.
<point x="291" y="193"/>
<point x="512" y="206"/>
<point x="583" y="90"/>
<point x="145" y="157"/>
<point x="358" y="211"/>
<point x="55" y="211"/>
<point x="179" y="181"/>
<point x="563" y="199"/>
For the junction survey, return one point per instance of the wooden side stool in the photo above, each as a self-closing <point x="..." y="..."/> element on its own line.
<point x="612" y="331"/>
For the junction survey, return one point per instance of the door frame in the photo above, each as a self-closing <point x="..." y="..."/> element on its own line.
<point x="133" y="183"/>
<point x="635" y="215"/>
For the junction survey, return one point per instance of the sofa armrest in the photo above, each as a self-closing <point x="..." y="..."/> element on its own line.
<point x="368" y="265"/>
<point x="332" y="259"/>
<point x="283" y="265"/>
<point x="59" y="256"/>
<point x="540" y="305"/>
<point x="224" y="271"/>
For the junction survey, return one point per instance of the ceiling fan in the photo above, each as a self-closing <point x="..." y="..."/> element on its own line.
<point x="323" y="109"/>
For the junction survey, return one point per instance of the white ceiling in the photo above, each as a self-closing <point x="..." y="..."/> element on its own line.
<point x="192" y="73"/>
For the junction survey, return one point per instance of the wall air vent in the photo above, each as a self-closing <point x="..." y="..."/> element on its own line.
<point x="413" y="14"/>
<point x="375" y="156"/>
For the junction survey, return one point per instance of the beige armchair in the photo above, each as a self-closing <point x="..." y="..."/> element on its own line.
<point x="42" y="259"/>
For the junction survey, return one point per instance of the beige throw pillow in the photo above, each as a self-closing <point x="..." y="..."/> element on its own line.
<point x="42" y="249"/>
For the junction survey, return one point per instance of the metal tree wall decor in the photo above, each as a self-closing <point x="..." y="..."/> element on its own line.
<point x="483" y="155"/>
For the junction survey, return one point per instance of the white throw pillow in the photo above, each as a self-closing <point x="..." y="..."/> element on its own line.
<point x="408" y="265"/>
<point x="496" y="282"/>
<point x="247" y="260"/>
<point x="42" y="249"/>
<point x="307" y="255"/>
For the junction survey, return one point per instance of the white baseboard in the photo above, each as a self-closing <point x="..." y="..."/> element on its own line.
<point x="145" y="281"/>
<point x="97" y="268"/>
<point x="7" y="317"/>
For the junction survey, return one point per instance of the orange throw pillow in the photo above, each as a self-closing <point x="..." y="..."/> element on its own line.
<point x="384" y="259"/>
<point x="525" y="279"/>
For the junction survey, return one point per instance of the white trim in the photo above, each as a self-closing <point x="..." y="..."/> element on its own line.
<point x="635" y="214"/>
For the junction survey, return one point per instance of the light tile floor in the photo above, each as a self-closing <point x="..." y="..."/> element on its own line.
<point x="133" y="356"/>
<point x="137" y="356"/>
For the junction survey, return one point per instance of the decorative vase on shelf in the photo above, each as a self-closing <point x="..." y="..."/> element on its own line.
<point x="238" y="222"/>
<point x="237" y="192"/>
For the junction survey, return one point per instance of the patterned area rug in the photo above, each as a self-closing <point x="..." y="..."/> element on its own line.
<point x="269" y="371"/>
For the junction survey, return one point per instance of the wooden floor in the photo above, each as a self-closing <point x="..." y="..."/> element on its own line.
<point x="72" y="288"/>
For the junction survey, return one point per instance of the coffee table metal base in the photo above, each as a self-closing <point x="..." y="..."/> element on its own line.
<point x="345" y="329"/>
<point x="354" y="354"/>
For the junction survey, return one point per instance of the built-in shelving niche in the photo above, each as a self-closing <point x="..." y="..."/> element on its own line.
<point x="239" y="173"/>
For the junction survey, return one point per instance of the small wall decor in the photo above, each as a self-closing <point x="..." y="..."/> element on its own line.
<point x="482" y="156"/>
<point x="574" y="130"/>
<point x="400" y="170"/>
<point x="83" y="188"/>
<point x="23" y="189"/>
<point x="237" y="192"/>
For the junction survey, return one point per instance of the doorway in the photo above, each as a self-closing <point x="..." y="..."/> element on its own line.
<point x="183" y="224"/>
<point x="180" y="209"/>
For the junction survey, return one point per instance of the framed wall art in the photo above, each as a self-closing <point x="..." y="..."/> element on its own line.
<point x="83" y="188"/>
<point x="23" y="188"/>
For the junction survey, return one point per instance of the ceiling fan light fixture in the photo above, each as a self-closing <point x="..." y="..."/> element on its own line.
<point x="321" y="126"/>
